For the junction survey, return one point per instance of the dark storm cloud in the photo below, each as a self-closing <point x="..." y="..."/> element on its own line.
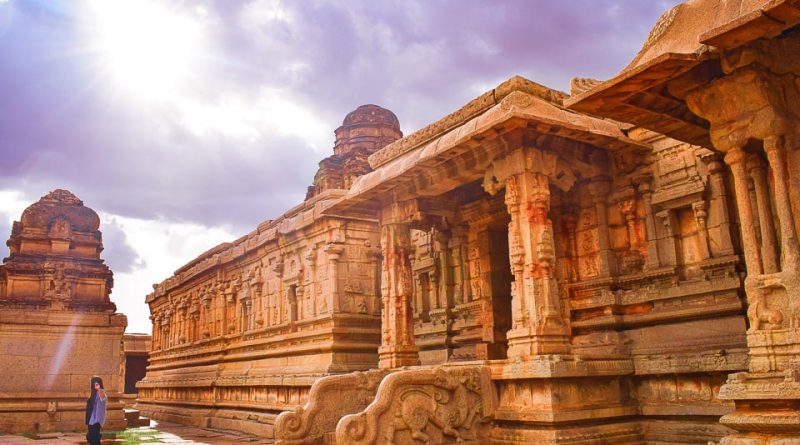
<point x="60" y="127"/>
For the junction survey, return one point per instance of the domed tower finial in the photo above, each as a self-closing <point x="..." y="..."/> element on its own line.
<point x="364" y="131"/>
<point x="369" y="127"/>
<point x="60" y="238"/>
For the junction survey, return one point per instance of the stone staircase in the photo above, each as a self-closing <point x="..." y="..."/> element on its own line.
<point x="443" y="405"/>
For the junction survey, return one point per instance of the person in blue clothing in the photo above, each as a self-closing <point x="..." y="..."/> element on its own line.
<point x="96" y="411"/>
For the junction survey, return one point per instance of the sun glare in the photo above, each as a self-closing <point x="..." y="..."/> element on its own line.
<point x="146" y="46"/>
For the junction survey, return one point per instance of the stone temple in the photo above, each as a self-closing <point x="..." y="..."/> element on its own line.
<point x="58" y="326"/>
<point x="619" y="265"/>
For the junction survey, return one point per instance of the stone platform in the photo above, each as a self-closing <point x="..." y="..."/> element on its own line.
<point x="156" y="433"/>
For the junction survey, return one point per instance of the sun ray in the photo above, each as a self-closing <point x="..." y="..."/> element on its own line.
<point x="148" y="48"/>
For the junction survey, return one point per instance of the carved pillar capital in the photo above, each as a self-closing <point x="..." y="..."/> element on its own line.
<point x="334" y="251"/>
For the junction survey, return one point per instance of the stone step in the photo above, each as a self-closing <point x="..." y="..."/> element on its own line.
<point x="133" y="419"/>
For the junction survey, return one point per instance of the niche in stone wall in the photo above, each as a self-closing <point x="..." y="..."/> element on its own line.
<point x="689" y="247"/>
<point x="292" y="299"/>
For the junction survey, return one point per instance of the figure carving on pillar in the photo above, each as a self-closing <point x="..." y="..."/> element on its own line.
<point x="570" y="219"/>
<point x="700" y="217"/>
<point x="397" y="287"/>
<point x="538" y="326"/>
<point x="632" y="260"/>
<point x="646" y="189"/>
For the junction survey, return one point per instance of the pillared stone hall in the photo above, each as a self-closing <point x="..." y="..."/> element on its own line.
<point x="617" y="265"/>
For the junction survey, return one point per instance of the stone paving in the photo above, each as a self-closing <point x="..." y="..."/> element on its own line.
<point x="156" y="433"/>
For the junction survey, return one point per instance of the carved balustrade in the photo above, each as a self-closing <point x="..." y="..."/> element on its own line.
<point x="329" y="400"/>
<point x="444" y="405"/>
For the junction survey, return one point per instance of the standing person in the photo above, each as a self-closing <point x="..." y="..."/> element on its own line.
<point x="96" y="411"/>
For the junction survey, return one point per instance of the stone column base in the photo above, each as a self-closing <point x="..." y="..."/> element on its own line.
<point x="391" y="357"/>
<point x="522" y="343"/>
<point x="767" y="408"/>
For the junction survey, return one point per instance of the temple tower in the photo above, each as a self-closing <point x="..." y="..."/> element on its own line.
<point x="364" y="131"/>
<point x="58" y="326"/>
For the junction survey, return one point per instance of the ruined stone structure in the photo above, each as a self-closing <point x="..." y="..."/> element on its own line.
<point x="519" y="272"/>
<point x="58" y="326"/>
<point x="135" y="350"/>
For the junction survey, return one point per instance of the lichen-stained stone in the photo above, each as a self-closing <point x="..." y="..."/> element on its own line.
<point x="58" y="326"/>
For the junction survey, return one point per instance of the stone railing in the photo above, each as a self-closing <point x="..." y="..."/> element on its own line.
<point x="329" y="400"/>
<point x="442" y="405"/>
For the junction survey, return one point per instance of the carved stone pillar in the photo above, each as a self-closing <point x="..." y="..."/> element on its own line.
<point x="670" y="240"/>
<point x="458" y="249"/>
<point x="310" y="260"/>
<point x="756" y="100"/>
<point x="397" y="339"/>
<point x="735" y="158"/>
<point x="538" y="325"/>
<point x="195" y="318"/>
<point x="334" y="252"/>
<point x="181" y="331"/>
<point x="570" y="219"/>
<point x="166" y="326"/>
<point x="632" y="260"/>
<point x="790" y="248"/>
<point x="599" y="190"/>
<point x="277" y="309"/>
<point x="719" y="214"/>
<point x="700" y="217"/>
<point x="652" y="261"/>
<point x="155" y="321"/>
<point x="441" y="254"/>
<point x="769" y="244"/>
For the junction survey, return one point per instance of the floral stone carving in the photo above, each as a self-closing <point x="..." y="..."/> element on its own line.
<point x="330" y="398"/>
<point x="439" y="405"/>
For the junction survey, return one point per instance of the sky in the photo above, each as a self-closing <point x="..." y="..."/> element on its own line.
<point x="184" y="124"/>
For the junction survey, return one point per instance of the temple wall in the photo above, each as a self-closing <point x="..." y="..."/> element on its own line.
<point x="48" y="361"/>
<point x="241" y="333"/>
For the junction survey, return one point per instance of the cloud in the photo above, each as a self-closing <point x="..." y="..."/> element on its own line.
<point x="118" y="253"/>
<point x="12" y="204"/>
<point x="237" y="139"/>
<point x="166" y="245"/>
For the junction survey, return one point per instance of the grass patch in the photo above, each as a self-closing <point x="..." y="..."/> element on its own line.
<point x="132" y="436"/>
